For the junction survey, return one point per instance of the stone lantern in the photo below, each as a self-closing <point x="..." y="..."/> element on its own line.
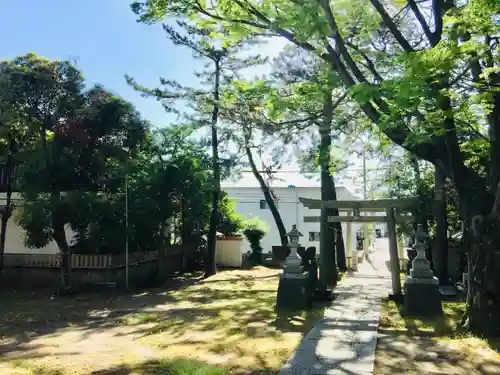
<point x="293" y="262"/>
<point x="293" y="290"/>
<point x="422" y="296"/>
<point x="421" y="267"/>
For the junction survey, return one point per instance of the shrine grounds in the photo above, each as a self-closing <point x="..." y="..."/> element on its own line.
<point x="225" y="324"/>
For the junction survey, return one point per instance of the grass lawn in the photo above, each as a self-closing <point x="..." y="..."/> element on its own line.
<point x="223" y="324"/>
<point x="432" y="346"/>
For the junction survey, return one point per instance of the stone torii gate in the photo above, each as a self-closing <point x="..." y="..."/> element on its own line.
<point x="390" y="207"/>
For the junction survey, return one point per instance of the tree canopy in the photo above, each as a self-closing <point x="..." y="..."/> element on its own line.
<point x="425" y="73"/>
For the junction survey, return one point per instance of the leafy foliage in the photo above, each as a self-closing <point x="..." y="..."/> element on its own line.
<point x="89" y="153"/>
<point x="426" y="74"/>
<point x="230" y="223"/>
<point x="254" y="230"/>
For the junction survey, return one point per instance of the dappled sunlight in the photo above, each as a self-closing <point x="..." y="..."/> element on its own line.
<point x="230" y="318"/>
<point x="432" y="345"/>
<point x="228" y="321"/>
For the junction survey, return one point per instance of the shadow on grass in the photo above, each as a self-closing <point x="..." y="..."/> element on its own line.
<point x="226" y="312"/>
<point x="176" y="367"/>
<point x="439" y="326"/>
<point x="150" y="367"/>
<point x="431" y="345"/>
<point x="230" y="316"/>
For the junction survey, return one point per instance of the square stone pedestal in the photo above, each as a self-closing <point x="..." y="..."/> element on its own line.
<point x="293" y="291"/>
<point x="422" y="297"/>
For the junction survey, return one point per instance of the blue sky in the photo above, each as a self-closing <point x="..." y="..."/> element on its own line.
<point x="102" y="36"/>
<point x="105" y="40"/>
<point x="107" y="43"/>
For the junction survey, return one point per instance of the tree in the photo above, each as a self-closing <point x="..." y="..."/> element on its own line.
<point x="13" y="137"/>
<point x="316" y="85"/>
<point x="77" y="133"/>
<point x="179" y="150"/>
<point x="168" y="202"/>
<point x="243" y="107"/>
<point x="223" y="65"/>
<point x="408" y="177"/>
<point x="417" y="81"/>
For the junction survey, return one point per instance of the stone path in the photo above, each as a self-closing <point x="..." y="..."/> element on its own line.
<point x="344" y="340"/>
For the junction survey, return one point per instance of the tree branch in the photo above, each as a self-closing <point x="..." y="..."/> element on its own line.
<point x="423" y="23"/>
<point x="205" y="12"/>
<point x="369" y="63"/>
<point x="339" y="42"/>
<point x="426" y="151"/>
<point x="386" y="18"/>
<point x="438" y="17"/>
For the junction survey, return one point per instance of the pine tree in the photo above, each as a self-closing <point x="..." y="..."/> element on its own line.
<point x="222" y="64"/>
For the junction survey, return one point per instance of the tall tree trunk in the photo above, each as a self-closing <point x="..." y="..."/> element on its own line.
<point x="7" y="211"/>
<point x="337" y="229"/>
<point x="483" y="299"/>
<point x="441" y="243"/>
<point x="185" y="229"/>
<point x="328" y="264"/>
<point x="59" y="236"/>
<point x="58" y="232"/>
<point x="209" y="263"/>
<point x="340" y="248"/>
<point x="422" y="211"/>
<point x="268" y="197"/>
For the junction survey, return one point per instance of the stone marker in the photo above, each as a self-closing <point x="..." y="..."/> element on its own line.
<point x="293" y="291"/>
<point x="422" y="296"/>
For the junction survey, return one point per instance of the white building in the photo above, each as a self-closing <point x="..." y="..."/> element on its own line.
<point x="14" y="236"/>
<point x="288" y="187"/>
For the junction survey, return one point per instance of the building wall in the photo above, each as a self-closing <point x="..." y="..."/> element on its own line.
<point x="291" y="210"/>
<point x="14" y="239"/>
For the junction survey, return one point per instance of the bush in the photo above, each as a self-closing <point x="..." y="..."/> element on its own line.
<point x="254" y="230"/>
<point x="231" y="223"/>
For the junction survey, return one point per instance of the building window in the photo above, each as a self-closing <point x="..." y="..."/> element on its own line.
<point x="263" y="204"/>
<point x="313" y="236"/>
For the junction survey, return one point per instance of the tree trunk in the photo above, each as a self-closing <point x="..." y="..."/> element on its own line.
<point x="185" y="228"/>
<point x="441" y="243"/>
<point x="59" y="236"/>
<point x="209" y="263"/>
<point x="268" y="197"/>
<point x="337" y="229"/>
<point x="340" y="248"/>
<point x="421" y="212"/>
<point x="483" y="299"/>
<point x="7" y="211"/>
<point x="328" y="263"/>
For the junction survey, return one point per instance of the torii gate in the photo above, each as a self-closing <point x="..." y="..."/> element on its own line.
<point x="389" y="206"/>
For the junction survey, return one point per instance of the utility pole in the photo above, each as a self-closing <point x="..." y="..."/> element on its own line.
<point x="365" y="197"/>
<point x="126" y="232"/>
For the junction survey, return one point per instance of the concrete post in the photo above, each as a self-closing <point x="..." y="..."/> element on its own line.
<point x="348" y="245"/>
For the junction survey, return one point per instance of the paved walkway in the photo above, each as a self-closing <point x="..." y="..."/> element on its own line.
<point x="344" y="340"/>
